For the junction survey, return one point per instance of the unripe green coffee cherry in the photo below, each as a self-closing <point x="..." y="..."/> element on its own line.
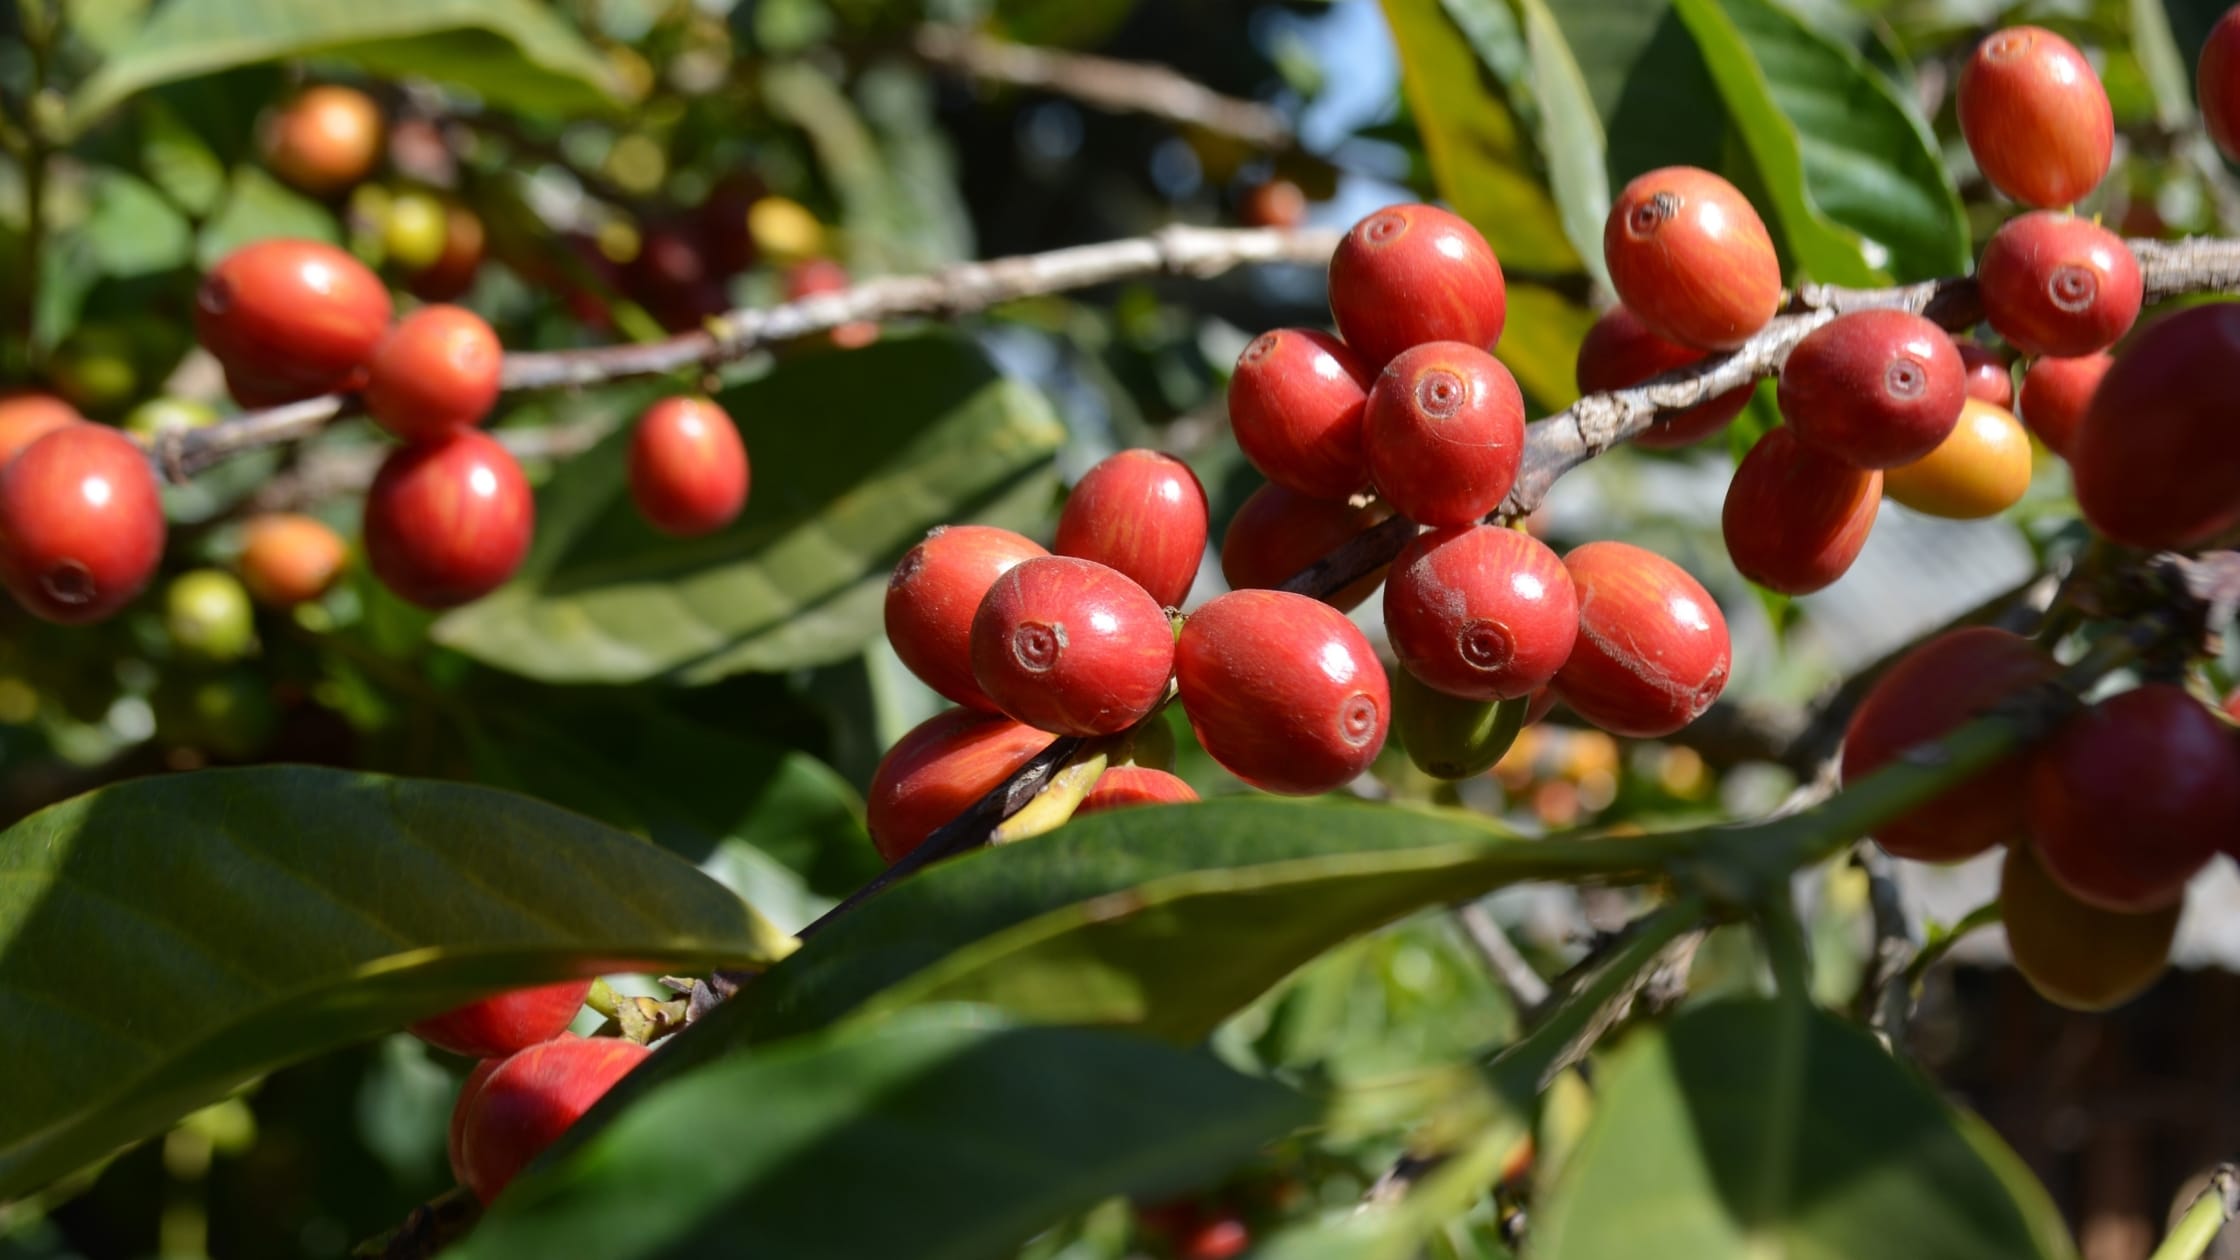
<point x="208" y="615"/>
<point x="1151" y="745"/>
<point x="159" y="414"/>
<point x="1448" y="737"/>
<point x="413" y="230"/>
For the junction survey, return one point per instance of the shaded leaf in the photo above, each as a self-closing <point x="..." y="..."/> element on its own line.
<point x="258" y="207"/>
<point x="1570" y="133"/>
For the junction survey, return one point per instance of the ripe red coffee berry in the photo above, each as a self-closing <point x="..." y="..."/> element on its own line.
<point x="1444" y="430"/>
<point x="2035" y="117"/>
<point x="933" y="594"/>
<point x="448" y="521"/>
<point x="812" y="276"/>
<point x="1412" y="274"/>
<point x="436" y="371"/>
<point x="1283" y="691"/>
<point x="1620" y="351"/>
<point x="1272" y="203"/>
<point x="498" y="1026"/>
<point x="1277" y="533"/>
<point x="1072" y="646"/>
<point x="2157" y="459"/>
<point x="1652" y="652"/>
<point x="81" y="524"/>
<point x="1795" y="518"/>
<point x="2053" y="284"/>
<point x="1689" y="256"/>
<point x="2132" y="797"/>
<point x="1937" y="687"/>
<point x="1144" y="514"/>
<point x="291" y="319"/>
<point x="939" y="769"/>
<point x="2217" y="83"/>
<point x="1126" y="787"/>
<point x="26" y="416"/>
<point x="459" y="1109"/>
<point x="1985" y="373"/>
<point x="688" y="468"/>
<point x="1875" y="389"/>
<point x="288" y="559"/>
<point x="1480" y="611"/>
<point x="1295" y="403"/>
<point x="530" y="1099"/>
<point x="2057" y="392"/>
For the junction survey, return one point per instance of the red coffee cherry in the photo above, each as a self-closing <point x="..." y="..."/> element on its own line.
<point x="1072" y="646"/>
<point x="1689" y="256"/>
<point x="1480" y="611"/>
<point x="325" y="140"/>
<point x="2056" y="393"/>
<point x="81" y="524"/>
<point x="2078" y="955"/>
<point x="448" y="521"/>
<point x="1444" y="430"/>
<point x="1875" y="389"/>
<point x="436" y="371"/>
<point x="2035" y="117"/>
<point x="2217" y="84"/>
<point x="938" y="770"/>
<point x="288" y="559"/>
<point x="467" y="1090"/>
<point x="1272" y="203"/>
<point x="1283" y="691"/>
<point x="1981" y="469"/>
<point x="530" y="1099"/>
<point x="812" y="276"/>
<point x="290" y="319"/>
<point x="688" y="468"/>
<point x="1795" y="518"/>
<point x="1126" y="787"/>
<point x="1620" y="351"/>
<point x="2157" y="459"/>
<point x="1986" y="373"/>
<point x="1937" y="687"/>
<point x="1295" y="404"/>
<point x="498" y="1026"/>
<point x="1412" y="274"/>
<point x="1144" y="514"/>
<point x="1652" y="652"/>
<point x="27" y="416"/>
<point x="2133" y="796"/>
<point x="1277" y="533"/>
<point x="2058" y="285"/>
<point x="933" y="594"/>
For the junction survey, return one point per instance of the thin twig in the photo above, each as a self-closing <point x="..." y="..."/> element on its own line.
<point x="1502" y="957"/>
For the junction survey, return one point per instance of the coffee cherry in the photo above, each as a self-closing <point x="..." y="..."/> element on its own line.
<point x="1126" y="787"/>
<point x="158" y="416"/>
<point x="325" y="140"/>
<point x="1412" y="274"/>
<point x="25" y="417"/>
<point x="459" y="1109"/>
<point x="448" y="521"/>
<point x="1875" y="389"/>
<point x="1295" y="403"/>
<point x="720" y="221"/>
<point x="498" y="1026"/>
<point x="1796" y="518"/>
<point x="2074" y="954"/>
<point x="1652" y="652"/>
<point x="290" y="319"/>
<point x="1986" y="373"/>
<point x="1981" y="470"/>
<point x="2035" y="117"/>
<point x="2133" y="796"/>
<point x="1072" y="646"/>
<point x="1620" y="351"/>
<point x="1276" y="533"/>
<point x="2157" y="459"/>
<point x="206" y="612"/>
<point x="933" y="594"/>
<point x="288" y="559"/>
<point x="2055" y="395"/>
<point x="530" y="1099"/>
<point x="938" y="770"/>
<point x="812" y="276"/>
<point x="1283" y="691"/>
<point x="1448" y="737"/>
<point x="1480" y="611"/>
<point x="2217" y="84"/>
<point x="1144" y="514"/>
<point x="452" y="274"/>
<point x="413" y="229"/>
<point x="1691" y="258"/>
<point x="2058" y="285"/>
<point x="436" y="371"/>
<point x="1272" y="203"/>
<point x="1444" y="430"/>
<point x="688" y="468"/>
<point x="81" y="524"/>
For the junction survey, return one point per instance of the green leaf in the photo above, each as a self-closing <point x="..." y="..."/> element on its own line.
<point x="166" y="939"/>
<point x="1658" y="103"/>
<point x="1540" y="343"/>
<point x="259" y="207"/>
<point x="897" y="190"/>
<point x="514" y="53"/>
<point x="132" y="230"/>
<point x="1570" y="134"/>
<point x="1755" y="1127"/>
<point x="2156" y="47"/>
<point x="944" y="1134"/>
<point x="856" y="454"/>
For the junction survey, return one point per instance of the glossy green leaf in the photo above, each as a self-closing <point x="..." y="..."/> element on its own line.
<point x="947" y="1134"/>
<point x="1570" y="134"/>
<point x="856" y="454"/>
<point x="166" y="939"/>
<point x="2156" y="46"/>
<point x="515" y="53"/>
<point x="1658" y="103"/>
<point x="1755" y="1127"/>
<point x="1540" y="343"/>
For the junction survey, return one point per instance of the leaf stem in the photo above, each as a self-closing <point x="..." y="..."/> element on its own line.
<point x="2205" y="1218"/>
<point x="1934" y="950"/>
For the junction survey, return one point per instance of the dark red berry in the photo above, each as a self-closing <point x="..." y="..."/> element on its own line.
<point x="1277" y="533"/>
<point x="1690" y="257"/>
<point x="2035" y="117"/>
<point x="1072" y="646"/>
<point x="2057" y="392"/>
<point x="467" y="1090"/>
<point x="812" y="276"/>
<point x="530" y="1099"/>
<point x="1272" y="203"/>
<point x="498" y="1026"/>
<point x="688" y="468"/>
<point x="1652" y="652"/>
<point x="1412" y="274"/>
<point x="1295" y="404"/>
<point x="448" y="521"/>
<point x="1444" y="430"/>
<point x="1986" y="373"/>
<point x="939" y="769"/>
<point x="1796" y="518"/>
<point x="1480" y="611"/>
<point x="1620" y="351"/>
<point x="2217" y="84"/>
<point x="1144" y="514"/>
<point x="933" y="594"/>
<point x="436" y="371"/>
<point x="1875" y="389"/>
<point x="2157" y="459"/>
<point x="2053" y="284"/>
<point x="1283" y="691"/>
<point x="291" y="319"/>
<point x="81" y="524"/>
<point x="1126" y="787"/>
